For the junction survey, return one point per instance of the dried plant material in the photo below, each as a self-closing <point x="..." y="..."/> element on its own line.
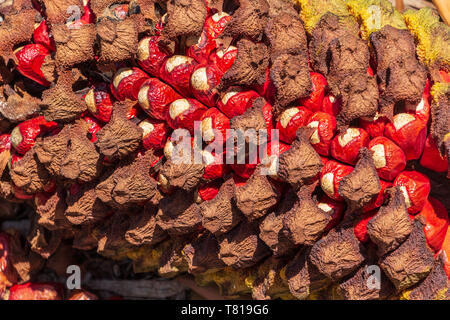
<point x="361" y="185"/>
<point x="120" y="137"/>
<point x="69" y="154"/>
<point x="248" y="20"/>
<point x="81" y="162"/>
<point x="339" y="253"/>
<point x="25" y="262"/>
<point x="440" y="120"/>
<point x="270" y="282"/>
<point x="51" y="150"/>
<point x="349" y="56"/>
<point x="305" y="222"/>
<point x="241" y="247"/>
<point x="16" y="28"/>
<point x="411" y="262"/>
<point x="51" y="209"/>
<point x="172" y="261"/>
<point x="6" y="186"/>
<point x="84" y="207"/>
<point x="435" y="286"/>
<point x="118" y="39"/>
<point x="232" y="283"/>
<point x="291" y="80"/>
<point x="257" y="196"/>
<point x="28" y="174"/>
<point x="84" y="239"/>
<point x="402" y="77"/>
<point x="220" y="214"/>
<point x="144" y="229"/>
<point x="202" y="254"/>
<point x="56" y="10"/>
<point x="277" y="7"/>
<point x="19" y="108"/>
<point x="286" y="34"/>
<point x="178" y="214"/>
<point x="43" y="241"/>
<point x="184" y="18"/>
<point x="60" y="103"/>
<point x="329" y="27"/>
<point x="186" y="175"/>
<point x="271" y="227"/>
<point x="363" y="285"/>
<point x="249" y="67"/>
<point x="391" y="225"/>
<point x="111" y="237"/>
<point x="313" y="10"/>
<point x="253" y="120"/>
<point x="73" y="45"/>
<point x="364" y="12"/>
<point x="100" y="7"/>
<point x="431" y="35"/>
<point x="130" y="184"/>
<point x="303" y="277"/>
<point x="301" y="163"/>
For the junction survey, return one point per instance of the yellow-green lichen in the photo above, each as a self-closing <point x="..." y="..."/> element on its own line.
<point x="432" y="37"/>
<point x="439" y="89"/>
<point x="373" y="15"/>
<point x="313" y="10"/>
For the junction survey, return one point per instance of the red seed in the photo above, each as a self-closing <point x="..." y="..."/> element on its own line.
<point x="290" y="120"/>
<point x="182" y="113"/>
<point x="325" y="128"/>
<point x="177" y="71"/>
<point x="155" y="98"/>
<point x="389" y="159"/>
<point x="235" y="101"/>
<point x="374" y="126"/>
<point x="331" y="105"/>
<point x="332" y="173"/>
<point x="415" y="187"/>
<point x="152" y="54"/>
<point x="99" y="102"/>
<point x="315" y="100"/>
<point x="345" y="146"/>
<point x="30" y="59"/>
<point x="214" y="126"/>
<point x="409" y="133"/>
<point x="127" y="82"/>
<point x="24" y="135"/>
<point x="431" y="157"/>
<point x="155" y="133"/>
<point x="437" y="222"/>
<point x="204" y="81"/>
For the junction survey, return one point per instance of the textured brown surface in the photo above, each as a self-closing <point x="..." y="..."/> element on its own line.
<point x="241" y="247"/>
<point x="303" y="277"/>
<point x="301" y="163"/>
<point x="28" y="174"/>
<point x="290" y="76"/>
<point x="271" y="227"/>
<point x="361" y="185"/>
<point x="402" y="77"/>
<point x="338" y="253"/>
<point x="256" y="197"/>
<point x="248" y="20"/>
<point x="119" y="137"/>
<point x="60" y="103"/>
<point x="249" y="66"/>
<point x="220" y="214"/>
<point x="411" y="262"/>
<point x="391" y="225"/>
